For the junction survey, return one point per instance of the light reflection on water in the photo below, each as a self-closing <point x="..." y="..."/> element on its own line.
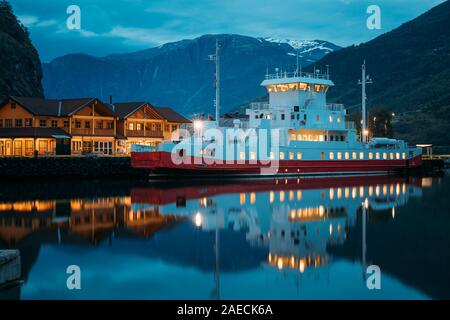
<point x="307" y="238"/>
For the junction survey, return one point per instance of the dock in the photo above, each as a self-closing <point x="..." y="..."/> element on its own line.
<point x="67" y="167"/>
<point x="10" y="267"/>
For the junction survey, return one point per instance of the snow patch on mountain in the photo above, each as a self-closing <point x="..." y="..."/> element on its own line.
<point x="302" y="46"/>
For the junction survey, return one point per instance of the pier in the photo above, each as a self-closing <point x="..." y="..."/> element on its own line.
<point x="67" y="166"/>
<point x="10" y="274"/>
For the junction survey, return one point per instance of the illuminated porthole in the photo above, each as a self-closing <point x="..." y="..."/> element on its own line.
<point x="281" y="155"/>
<point x="331" y="155"/>
<point x="377" y="156"/>
<point x="347" y="156"/>
<point x="299" y="156"/>
<point x="361" y="155"/>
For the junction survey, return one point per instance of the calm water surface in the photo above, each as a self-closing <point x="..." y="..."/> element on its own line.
<point x="308" y="238"/>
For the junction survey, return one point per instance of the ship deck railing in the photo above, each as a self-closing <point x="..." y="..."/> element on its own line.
<point x="296" y="74"/>
<point x="335" y="106"/>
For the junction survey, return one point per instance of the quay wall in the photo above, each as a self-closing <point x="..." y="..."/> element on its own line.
<point x="67" y="166"/>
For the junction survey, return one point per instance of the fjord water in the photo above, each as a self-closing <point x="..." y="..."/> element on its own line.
<point x="307" y="238"/>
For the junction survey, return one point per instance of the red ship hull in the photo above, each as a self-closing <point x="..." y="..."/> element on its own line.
<point x="161" y="163"/>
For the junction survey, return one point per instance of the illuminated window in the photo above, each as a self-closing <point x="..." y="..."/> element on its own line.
<point x="138" y="126"/>
<point x="361" y="155"/>
<point x="404" y="156"/>
<point x="391" y="156"/>
<point x="242" y="155"/>
<point x="331" y="155"/>
<point x="377" y="156"/>
<point x="339" y="119"/>
<point x="272" y="156"/>
<point x="291" y="155"/>
<point x="317" y="87"/>
<point x="354" y="155"/>
<point x="330" y="118"/>
<point x="397" y="156"/>
<point x="281" y="155"/>
<point x="299" y="155"/>
<point x="321" y="137"/>
<point x="303" y="86"/>
<point x="131" y="126"/>
<point x="347" y="156"/>
<point x="252" y="155"/>
<point x="339" y="155"/>
<point x="370" y="155"/>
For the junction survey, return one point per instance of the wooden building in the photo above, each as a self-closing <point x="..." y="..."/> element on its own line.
<point x="80" y="126"/>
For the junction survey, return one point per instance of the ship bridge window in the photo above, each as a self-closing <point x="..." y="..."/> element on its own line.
<point x="302" y="86"/>
<point x="317" y="87"/>
<point x="293" y="86"/>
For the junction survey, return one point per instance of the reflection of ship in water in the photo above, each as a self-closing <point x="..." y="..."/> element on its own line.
<point x="286" y="224"/>
<point x="296" y="219"/>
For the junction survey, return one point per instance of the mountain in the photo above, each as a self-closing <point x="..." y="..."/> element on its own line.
<point x="410" y="68"/>
<point x="20" y="67"/>
<point x="179" y="74"/>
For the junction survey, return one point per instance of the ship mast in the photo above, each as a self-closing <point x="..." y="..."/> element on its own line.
<point x="364" y="80"/>
<point x="216" y="58"/>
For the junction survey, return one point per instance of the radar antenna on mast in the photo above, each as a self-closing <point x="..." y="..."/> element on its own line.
<point x="216" y="59"/>
<point x="364" y="80"/>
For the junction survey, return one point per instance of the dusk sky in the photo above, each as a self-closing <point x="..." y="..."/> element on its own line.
<point x="130" y="25"/>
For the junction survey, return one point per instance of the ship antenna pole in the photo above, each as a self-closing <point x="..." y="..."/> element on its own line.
<point x="217" y="60"/>
<point x="364" y="80"/>
<point x="297" y="65"/>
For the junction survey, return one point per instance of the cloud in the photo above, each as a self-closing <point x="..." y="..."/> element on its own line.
<point x="28" y="20"/>
<point x="32" y="21"/>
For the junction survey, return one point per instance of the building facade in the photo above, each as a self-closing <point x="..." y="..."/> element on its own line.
<point x="30" y="126"/>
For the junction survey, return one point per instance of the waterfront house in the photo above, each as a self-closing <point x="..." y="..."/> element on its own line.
<point x="80" y="126"/>
<point x="138" y="123"/>
<point x="51" y="126"/>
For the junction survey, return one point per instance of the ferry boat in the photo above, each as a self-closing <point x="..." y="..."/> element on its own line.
<point x="303" y="135"/>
